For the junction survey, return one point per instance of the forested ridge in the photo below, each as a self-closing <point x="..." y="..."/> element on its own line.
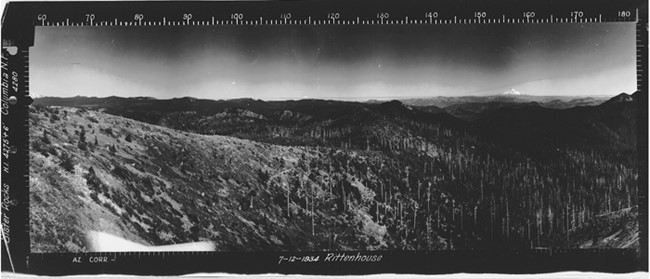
<point x="327" y="175"/>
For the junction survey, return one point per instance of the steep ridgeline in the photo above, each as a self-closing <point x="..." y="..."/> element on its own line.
<point x="346" y="176"/>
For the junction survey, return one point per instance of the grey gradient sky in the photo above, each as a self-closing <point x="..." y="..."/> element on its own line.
<point x="334" y="62"/>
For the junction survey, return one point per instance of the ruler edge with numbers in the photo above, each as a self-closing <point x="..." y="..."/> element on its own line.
<point x="235" y="20"/>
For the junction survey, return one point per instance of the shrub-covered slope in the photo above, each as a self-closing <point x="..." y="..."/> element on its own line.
<point x="153" y="185"/>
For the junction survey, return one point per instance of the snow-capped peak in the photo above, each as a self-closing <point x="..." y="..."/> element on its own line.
<point x="512" y="91"/>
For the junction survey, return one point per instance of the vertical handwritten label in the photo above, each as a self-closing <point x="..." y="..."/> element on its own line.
<point x="5" y="147"/>
<point x="5" y="85"/>
<point x="9" y="80"/>
<point x="5" y="212"/>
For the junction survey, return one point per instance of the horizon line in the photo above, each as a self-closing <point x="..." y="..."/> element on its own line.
<point x="350" y="99"/>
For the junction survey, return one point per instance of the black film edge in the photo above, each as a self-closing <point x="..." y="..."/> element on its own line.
<point x="18" y="37"/>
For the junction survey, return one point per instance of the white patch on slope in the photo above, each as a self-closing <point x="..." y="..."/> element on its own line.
<point x="104" y="242"/>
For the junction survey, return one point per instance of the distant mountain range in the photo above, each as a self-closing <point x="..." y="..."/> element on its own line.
<point x="522" y="114"/>
<point x="510" y="97"/>
<point x="458" y="106"/>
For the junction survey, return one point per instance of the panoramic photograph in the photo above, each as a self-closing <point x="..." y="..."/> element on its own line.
<point x="334" y="138"/>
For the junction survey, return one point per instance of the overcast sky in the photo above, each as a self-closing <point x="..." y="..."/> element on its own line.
<point x="334" y="62"/>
